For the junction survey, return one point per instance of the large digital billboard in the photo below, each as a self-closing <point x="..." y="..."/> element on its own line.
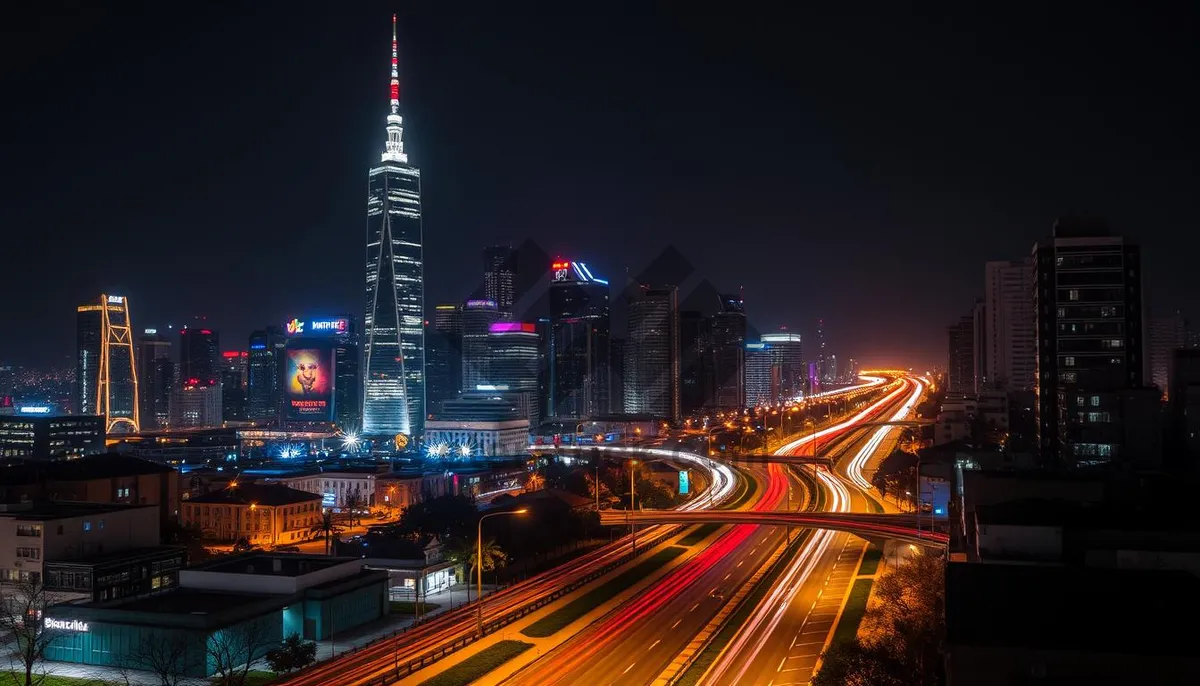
<point x="310" y="377"/>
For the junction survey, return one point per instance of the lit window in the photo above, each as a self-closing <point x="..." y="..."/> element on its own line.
<point x="1069" y="361"/>
<point x="87" y="525"/>
<point x="1095" y="401"/>
<point x="1073" y="294"/>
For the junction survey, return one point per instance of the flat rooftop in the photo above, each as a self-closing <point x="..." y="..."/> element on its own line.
<point x="187" y="601"/>
<point x="120" y="556"/>
<point x="43" y="511"/>
<point x="282" y="564"/>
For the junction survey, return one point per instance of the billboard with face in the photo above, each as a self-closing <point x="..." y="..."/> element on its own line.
<point x="309" y="381"/>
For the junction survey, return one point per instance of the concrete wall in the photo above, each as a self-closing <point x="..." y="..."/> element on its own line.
<point x="241" y="582"/>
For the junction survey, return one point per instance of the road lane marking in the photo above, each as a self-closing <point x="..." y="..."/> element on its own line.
<point x="694" y="607"/>
<point x="677" y="621"/>
<point x="631" y="664"/>
<point x="654" y="644"/>
<point x="780" y="668"/>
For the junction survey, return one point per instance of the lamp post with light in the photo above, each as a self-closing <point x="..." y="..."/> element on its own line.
<point x="479" y="562"/>
<point x="632" y="489"/>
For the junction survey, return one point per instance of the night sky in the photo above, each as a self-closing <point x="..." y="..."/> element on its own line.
<point x="859" y="167"/>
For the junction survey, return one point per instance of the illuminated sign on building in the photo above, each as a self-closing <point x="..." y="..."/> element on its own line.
<point x="34" y="409"/>
<point x="150" y="332"/>
<point x="481" y="304"/>
<point x="573" y="271"/>
<point x="511" y="327"/>
<point x="65" y="625"/>
<point x="331" y="326"/>
<point x="684" y="482"/>
<point x="310" y="377"/>
<point x="116" y="300"/>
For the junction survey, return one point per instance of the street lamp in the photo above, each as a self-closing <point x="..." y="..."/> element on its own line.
<point x="479" y="561"/>
<point x="632" y="487"/>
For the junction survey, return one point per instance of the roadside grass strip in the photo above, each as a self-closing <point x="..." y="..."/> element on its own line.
<point x="473" y="668"/>
<point x="563" y="616"/>
<point x="852" y="614"/>
<point x="870" y="561"/>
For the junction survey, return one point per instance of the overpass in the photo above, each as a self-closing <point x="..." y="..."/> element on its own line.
<point x="901" y="527"/>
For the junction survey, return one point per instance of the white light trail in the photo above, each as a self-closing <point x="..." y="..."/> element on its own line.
<point x="721" y="477"/>
<point x="795" y="445"/>
<point x="855" y="466"/>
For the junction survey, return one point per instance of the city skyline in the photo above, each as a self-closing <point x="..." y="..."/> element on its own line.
<point x="870" y="186"/>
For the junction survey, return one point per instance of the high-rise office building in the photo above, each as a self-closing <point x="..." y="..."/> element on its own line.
<point x="477" y="319"/>
<point x="787" y="356"/>
<point x="199" y="358"/>
<point x="544" y="396"/>
<point x="694" y="366"/>
<point x="579" y="312"/>
<point x="156" y="379"/>
<point x="196" y="406"/>
<point x="264" y="376"/>
<point x="512" y="357"/>
<point x="394" y="337"/>
<point x="728" y="329"/>
<point x="499" y="268"/>
<point x="762" y="381"/>
<point x="234" y="366"/>
<point x="106" y="375"/>
<point x="618" y="350"/>
<point x="960" y="365"/>
<point x="1009" y="349"/>
<point x="1088" y="303"/>
<point x="443" y="356"/>
<point x="1168" y="333"/>
<point x="651" y="364"/>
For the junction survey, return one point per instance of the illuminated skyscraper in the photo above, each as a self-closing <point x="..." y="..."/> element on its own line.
<point x="499" y="265"/>
<point x="394" y="346"/>
<point x="580" y="381"/>
<point x="107" y="376"/>
<point x="651" y="359"/>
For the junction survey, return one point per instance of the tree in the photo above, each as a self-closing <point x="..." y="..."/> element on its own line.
<point x="856" y="664"/>
<point x="242" y="545"/>
<point x="326" y="527"/>
<point x="493" y="556"/>
<point x="190" y="537"/>
<point x="353" y="501"/>
<point x="23" y="627"/>
<point x="165" y="653"/>
<point x="448" y="516"/>
<point x="535" y="482"/>
<point x="294" y="653"/>
<point x="903" y="624"/>
<point x="233" y="649"/>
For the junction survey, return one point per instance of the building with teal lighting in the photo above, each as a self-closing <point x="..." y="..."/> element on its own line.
<point x="239" y="606"/>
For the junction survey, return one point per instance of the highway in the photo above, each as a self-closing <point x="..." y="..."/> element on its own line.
<point x="384" y="659"/>
<point x="783" y="639"/>
<point x="637" y="641"/>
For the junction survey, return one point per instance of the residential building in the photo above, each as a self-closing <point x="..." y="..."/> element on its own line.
<point x="1010" y="334"/>
<point x="960" y="368"/>
<point x="1090" y="343"/>
<point x="338" y="488"/>
<point x="263" y="514"/>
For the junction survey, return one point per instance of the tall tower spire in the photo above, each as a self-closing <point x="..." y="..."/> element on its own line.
<point x="394" y="148"/>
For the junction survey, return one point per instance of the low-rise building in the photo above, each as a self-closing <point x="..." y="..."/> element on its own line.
<point x="246" y="604"/>
<point x="121" y="574"/>
<point x="339" y="488"/>
<point x="33" y="534"/>
<point x="263" y="514"/>
<point x="32" y="436"/>
<point x="398" y="490"/>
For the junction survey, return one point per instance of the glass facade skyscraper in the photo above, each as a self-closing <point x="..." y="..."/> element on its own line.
<point x="394" y="334"/>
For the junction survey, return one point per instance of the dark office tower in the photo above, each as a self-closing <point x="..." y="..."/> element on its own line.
<point x="1184" y="394"/>
<point x="156" y="379"/>
<point x="545" y="333"/>
<point x="499" y="268"/>
<point x="347" y="369"/>
<point x="618" y="350"/>
<point x="652" y="353"/>
<point x="1168" y="333"/>
<point x="1089" y="342"/>
<point x="960" y="365"/>
<point x="693" y="348"/>
<point x="264" y="375"/>
<point x="199" y="359"/>
<point x="106" y="375"/>
<point x="729" y="354"/>
<point x="822" y="355"/>
<point x="394" y="338"/>
<point x="443" y="356"/>
<point x="477" y="319"/>
<point x="579" y="312"/>
<point x="234" y="365"/>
